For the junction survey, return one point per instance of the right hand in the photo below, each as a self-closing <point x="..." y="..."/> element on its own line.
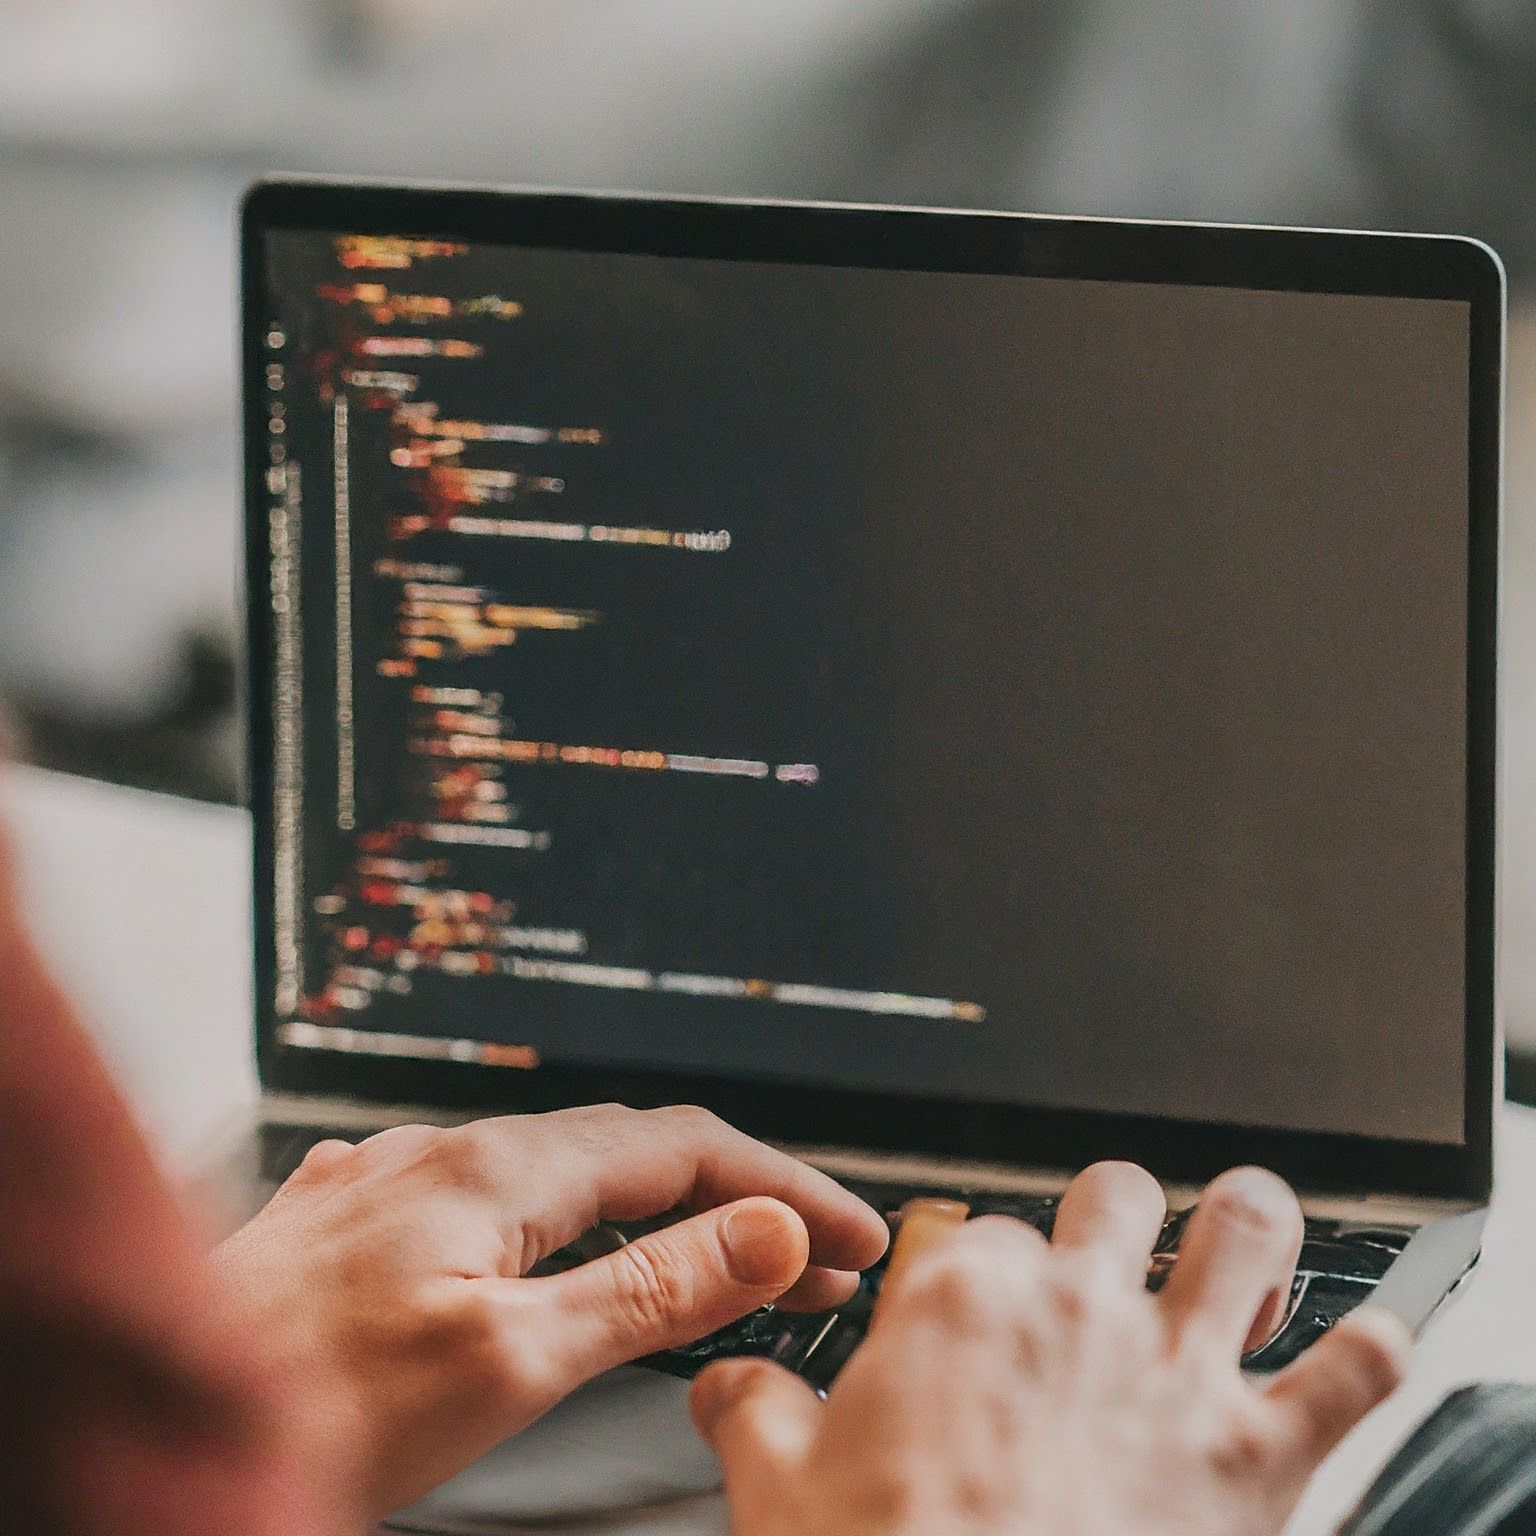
<point x="1008" y="1385"/>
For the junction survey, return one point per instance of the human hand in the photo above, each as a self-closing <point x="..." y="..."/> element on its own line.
<point x="1008" y="1385"/>
<point x="388" y="1278"/>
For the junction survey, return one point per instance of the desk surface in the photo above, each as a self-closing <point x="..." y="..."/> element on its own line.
<point x="142" y="903"/>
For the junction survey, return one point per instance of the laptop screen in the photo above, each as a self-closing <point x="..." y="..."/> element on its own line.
<point x="999" y="689"/>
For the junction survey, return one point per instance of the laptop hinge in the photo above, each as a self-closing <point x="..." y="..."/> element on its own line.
<point x="1394" y="1210"/>
<point x="1398" y="1210"/>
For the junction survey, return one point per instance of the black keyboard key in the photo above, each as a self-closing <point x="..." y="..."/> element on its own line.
<point x="1323" y="1300"/>
<point x="1340" y="1265"/>
<point x="1038" y="1211"/>
<point x="1339" y="1256"/>
<point x="832" y="1348"/>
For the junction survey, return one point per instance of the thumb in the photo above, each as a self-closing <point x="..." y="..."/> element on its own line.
<point x="760" y="1421"/>
<point x="670" y="1287"/>
<point x="1353" y="1367"/>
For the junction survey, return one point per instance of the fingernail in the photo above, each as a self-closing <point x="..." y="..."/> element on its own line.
<point x="758" y="1244"/>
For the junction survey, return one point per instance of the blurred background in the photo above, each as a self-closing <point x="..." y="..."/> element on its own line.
<point x="129" y="127"/>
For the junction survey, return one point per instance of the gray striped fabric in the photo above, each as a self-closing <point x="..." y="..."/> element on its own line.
<point x="1468" y="1470"/>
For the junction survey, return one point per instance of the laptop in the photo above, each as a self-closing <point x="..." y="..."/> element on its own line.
<point x="960" y="695"/>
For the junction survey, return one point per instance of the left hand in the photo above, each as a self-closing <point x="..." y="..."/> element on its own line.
<point x="388" y="1279"/>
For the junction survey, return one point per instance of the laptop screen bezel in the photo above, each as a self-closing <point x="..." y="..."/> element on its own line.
<point x="1415" y="266"/>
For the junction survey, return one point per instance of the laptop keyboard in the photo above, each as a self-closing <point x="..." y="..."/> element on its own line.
<point x="1340" y="1265"/>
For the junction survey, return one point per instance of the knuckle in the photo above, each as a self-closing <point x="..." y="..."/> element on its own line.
<point x="406" y="1140"/>
<point x="1373" y="1346"/>
<point x="461" y="1157"/>
<point x="1090" y="1290"/>
<point x="1206" y="1355"/>
<point x="979" y="1496"/>
<point x="886" y="1497"/>
<point x="1070" y="1300"/>
<point x="650" y="1292"/>
<point x="598" y="1115"/>
<point x="1069" y="1310"/>
<point x="485" y="1137"/>
<point x="421" y="1319"/>
<point x="689" y="1119"/>
<point x="489" y="1357"/>
<point x="516" y="1366"/>
<point x="600" y="1129"/>
<point x="1246" y="1451"/>
<point x="955" y="1285"/>
<point x="326" y="1156"/>
<point x="1140" y="1334"/>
